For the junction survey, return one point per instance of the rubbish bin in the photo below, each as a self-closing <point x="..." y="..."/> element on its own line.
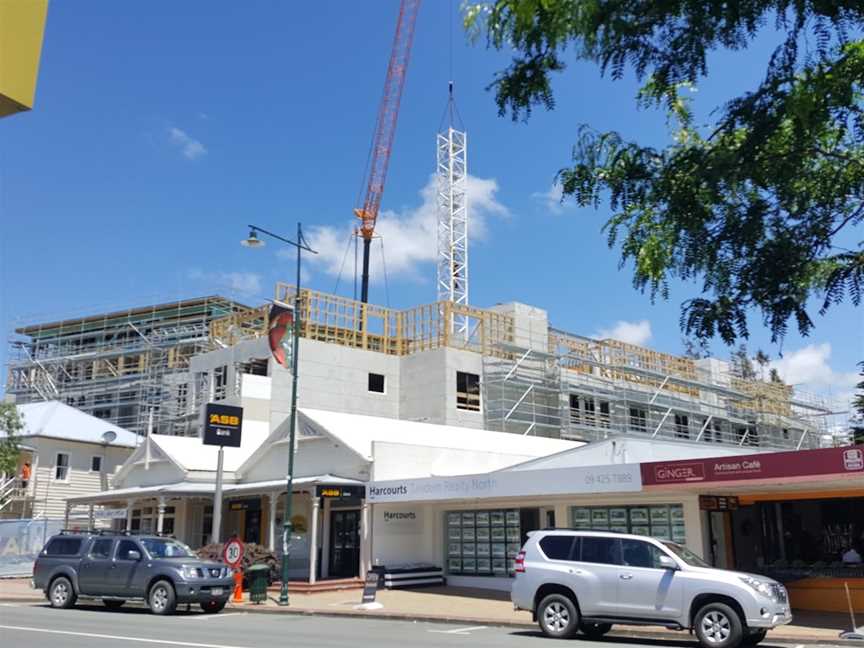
<point x="258" y="576"/>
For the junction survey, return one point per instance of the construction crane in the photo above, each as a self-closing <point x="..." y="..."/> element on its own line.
<point x="385" y="131"/>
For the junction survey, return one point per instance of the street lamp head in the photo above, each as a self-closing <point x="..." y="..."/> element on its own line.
<point x="253" y="241"/>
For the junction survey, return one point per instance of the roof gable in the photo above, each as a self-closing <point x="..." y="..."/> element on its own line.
<point x="60" y="421"/>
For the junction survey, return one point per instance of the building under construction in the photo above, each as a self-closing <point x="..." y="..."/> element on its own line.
<point x="129" y="367"/>
<point x="504" y="368"/>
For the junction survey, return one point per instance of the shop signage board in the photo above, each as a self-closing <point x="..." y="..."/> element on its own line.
<point x="341" y="492"/>
<point x="718" y="503"/>
<point x="222" y="425"/>
<point x="617" y="478"/>
<point x="774" y="465"/>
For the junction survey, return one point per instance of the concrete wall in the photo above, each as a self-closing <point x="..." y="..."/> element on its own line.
<point x="531" y="324"/>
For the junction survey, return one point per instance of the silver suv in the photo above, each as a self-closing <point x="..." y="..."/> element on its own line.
<point x="581" y="580"/>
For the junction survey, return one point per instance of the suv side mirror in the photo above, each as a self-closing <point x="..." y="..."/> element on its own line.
<point x="133" y="555"/>
<point x="666" y="562"/>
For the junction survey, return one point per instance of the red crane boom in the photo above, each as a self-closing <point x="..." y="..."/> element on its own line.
<point x="385" y="131"/>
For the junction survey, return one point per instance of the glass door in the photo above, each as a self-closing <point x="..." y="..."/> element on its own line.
<point x="344" y="544"/>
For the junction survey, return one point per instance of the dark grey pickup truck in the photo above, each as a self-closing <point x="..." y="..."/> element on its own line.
<point x="117" y="567"/>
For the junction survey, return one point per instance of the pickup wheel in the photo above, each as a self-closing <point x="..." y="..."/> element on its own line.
<point x="718" y="626"/>
<point x="595" y="630"/>
<point x="213" y="607"/>
<point x="558" y="617"/>
<point x="754" y="637"/>
<point x="162" y="598"/>
<point x="113" y="604"/>
<point x="61" y="594"/>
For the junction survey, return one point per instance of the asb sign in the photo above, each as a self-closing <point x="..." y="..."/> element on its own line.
<point x="222" y="425"/>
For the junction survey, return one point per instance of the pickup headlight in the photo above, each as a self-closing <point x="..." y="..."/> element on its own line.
<point x="191" y="572"/>
<point x="760" y="587"/>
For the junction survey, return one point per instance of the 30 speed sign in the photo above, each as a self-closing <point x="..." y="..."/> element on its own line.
<point x="232" y="552"/>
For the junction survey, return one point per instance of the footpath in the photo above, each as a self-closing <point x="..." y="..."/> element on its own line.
<point x="470" y="607"/>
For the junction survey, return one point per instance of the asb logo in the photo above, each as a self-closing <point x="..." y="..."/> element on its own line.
<point x="679" y="473"/>
<point x="853" y="459"/>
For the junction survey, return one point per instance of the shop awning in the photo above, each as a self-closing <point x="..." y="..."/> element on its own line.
<point x="188" y="488"/>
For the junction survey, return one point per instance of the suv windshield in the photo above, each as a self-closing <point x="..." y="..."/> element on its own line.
<point x="163" y="548"/>
<point x="686" y="555"/>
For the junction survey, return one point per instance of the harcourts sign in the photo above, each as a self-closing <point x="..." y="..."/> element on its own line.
<point x="517" y="483"/>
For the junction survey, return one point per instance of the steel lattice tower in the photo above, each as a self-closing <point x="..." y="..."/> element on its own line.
<point x="452" y="187"/>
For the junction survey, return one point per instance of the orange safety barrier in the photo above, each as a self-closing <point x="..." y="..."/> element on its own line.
<point x="238" y="587"/>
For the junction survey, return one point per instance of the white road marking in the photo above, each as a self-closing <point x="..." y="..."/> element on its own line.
<point x="207" y="617"/>
<point x="459" y="631"/>
<point x="164" y="642"/>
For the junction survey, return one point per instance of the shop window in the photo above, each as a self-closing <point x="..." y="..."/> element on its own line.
<point x="638" y="419"/>
<point x="95" y="464"/>
<point x="661" y="521"/>
<point x="467" y="391"/>
<point x="600" y="550"/>
<point x="376" y="383"/>
<point x="61" y="467"/>
<point x="483" y="543"/>
<point x="557" y="547"/>
<point x="682" y="426"/>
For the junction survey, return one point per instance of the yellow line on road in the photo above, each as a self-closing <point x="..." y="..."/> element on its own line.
<point x="164" y="642"/>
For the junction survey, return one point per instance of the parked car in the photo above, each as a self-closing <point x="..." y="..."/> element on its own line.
<point x="118" y="567"/>
<point x="586" y="581"/>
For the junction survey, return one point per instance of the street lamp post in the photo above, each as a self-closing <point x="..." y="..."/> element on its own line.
<point x="287" y="528"/>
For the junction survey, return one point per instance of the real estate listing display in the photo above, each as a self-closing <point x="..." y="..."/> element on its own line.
<point x="483" y="543"/>
<point x="661" y="521"/>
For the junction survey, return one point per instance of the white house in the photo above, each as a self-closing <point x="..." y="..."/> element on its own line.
<point x="69" y="453"/>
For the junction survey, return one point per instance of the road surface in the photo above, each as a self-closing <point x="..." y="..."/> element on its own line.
<point x="93" y="626"/>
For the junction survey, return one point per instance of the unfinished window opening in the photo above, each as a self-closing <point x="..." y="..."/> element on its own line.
<point x="575" y="410"/>
<point x="605" y="418"/>
<point x="467" y="391"/>
<point x="376" y="383"/>
<point x="254" y="367"/>
<point x="638" y="419"/>
<point x="590" y="410"/>
<point x="220" y="383"/>
<point x="182" y="397"/>
<point x="682" y="426"/>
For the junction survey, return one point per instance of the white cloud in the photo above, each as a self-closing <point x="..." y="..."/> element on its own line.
<point x="551" y="199"/>
<point x="638" y="333"/>
<point x="244" y="283"/>
<point x="810" y="368"/>
<point x="190" y="147"/>
<point x="409" y="236"/>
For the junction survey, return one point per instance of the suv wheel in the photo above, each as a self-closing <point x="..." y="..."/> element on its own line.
<point x="162" y="599"/>
<point x="558" y="617"/>
<point x="61" y="594"/>
<point x="718" y="626"/>
<point x="595" y="630"/>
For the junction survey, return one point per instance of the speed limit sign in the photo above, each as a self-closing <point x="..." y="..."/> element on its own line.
<point x="232" y="552"/>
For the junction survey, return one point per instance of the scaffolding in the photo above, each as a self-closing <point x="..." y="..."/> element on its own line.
<point x="128" y="367"/>
<point x="586" y="389"/>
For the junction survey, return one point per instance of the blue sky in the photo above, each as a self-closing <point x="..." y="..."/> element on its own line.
<point x="162" y="128"/>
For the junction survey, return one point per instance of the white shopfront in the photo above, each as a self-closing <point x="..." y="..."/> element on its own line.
<point x="472" y="526"/>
